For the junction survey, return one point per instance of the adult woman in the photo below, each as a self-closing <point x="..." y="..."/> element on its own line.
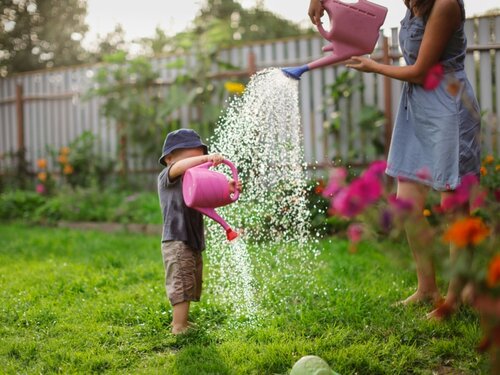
<point x="436" y="131"/>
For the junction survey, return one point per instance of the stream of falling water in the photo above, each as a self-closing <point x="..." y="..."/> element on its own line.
<point x="260" y="132"/>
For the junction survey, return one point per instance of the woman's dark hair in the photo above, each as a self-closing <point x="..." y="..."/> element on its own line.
<point x="422" y="7"/>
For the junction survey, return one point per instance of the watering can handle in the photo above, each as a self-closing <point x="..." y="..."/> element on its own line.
<point x="234" y="172"/>
<point x="320" y="27"/>
<point x="326" y="34"/>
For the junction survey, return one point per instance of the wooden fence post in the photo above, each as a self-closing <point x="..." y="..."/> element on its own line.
<point x="122" y="153"/>
<point x="22" y="171"/>
<point x="252" y="68"/>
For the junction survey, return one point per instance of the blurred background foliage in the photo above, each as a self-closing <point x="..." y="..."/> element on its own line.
<point x="43" y="34"/>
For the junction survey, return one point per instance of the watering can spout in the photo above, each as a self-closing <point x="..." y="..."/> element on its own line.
<point x="295" y="72"/>
<point x="231" y="234"/>
<point x="354" y="31"/>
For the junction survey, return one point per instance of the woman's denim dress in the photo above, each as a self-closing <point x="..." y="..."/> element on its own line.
<point x="436" y="136"/>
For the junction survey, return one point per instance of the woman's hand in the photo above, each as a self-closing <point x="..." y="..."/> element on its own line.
<point x="363" y="64"/>
<point x="316" y="11"/>
<point x="215" y="158"/>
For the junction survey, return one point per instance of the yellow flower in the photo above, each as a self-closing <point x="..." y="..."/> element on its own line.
<point x="489" y="159"/>
<point x="68" y="169"/>
<point x="64" y="151"/>
<point x="42" y="176"/>
<point x="468" y="231"/>
<point x="63" y="159"/>
<point x="427" y="212"/>
<point x="497" y="168"/>
<point x="41" y="163"/>
<point x="234" y="87"/>
<point x="483" y="171"/>
<point x="494" y="271"/>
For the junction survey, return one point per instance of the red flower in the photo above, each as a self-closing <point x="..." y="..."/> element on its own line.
<point x="355" y="232"/>
<point x="434" y="77"/>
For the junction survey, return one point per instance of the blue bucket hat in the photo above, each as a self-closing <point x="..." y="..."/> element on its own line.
<point x="181" y="138"/>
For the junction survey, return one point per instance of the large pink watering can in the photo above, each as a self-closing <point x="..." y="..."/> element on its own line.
<point x="354" y="32"/>
<point x="204" y="190"/>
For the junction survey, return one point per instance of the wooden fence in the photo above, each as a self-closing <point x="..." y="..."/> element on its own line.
<point x="46" y="108"/>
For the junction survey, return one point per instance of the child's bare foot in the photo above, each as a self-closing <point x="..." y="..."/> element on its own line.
<point x="178" y="329"/>
<point x="421" y="297"/>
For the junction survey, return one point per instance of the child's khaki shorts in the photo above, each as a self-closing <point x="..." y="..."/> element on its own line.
<point x="183" y="271"/>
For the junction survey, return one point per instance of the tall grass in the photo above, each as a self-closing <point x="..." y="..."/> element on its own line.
<point x="88" y="302"/>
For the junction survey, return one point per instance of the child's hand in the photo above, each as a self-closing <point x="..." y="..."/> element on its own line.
<point x="233" y="186"/>
<point x="215" y="158"/>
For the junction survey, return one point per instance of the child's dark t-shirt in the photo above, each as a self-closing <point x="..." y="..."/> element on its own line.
<point x="180" y="222"/>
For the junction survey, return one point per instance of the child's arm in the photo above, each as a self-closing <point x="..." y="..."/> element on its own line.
<point x="179" y="167"/>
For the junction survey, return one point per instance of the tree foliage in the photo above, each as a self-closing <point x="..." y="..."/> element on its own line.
<point x="224" y="23"/>
<point x="40" y="34"/>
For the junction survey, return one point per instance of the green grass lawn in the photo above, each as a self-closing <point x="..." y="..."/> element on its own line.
<point x="86" y="302"/>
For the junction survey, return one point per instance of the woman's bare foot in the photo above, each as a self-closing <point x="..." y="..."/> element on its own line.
<point x="421" y="297"/>
<point x="444" y="311"/>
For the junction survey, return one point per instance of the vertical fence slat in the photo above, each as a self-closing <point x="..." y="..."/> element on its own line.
<point x="486" y="94"/>
<point x="331" y="149"/>
<point x="305" y="91"/>
<point x="317" y="104"/>
<point x="470" y="68"/>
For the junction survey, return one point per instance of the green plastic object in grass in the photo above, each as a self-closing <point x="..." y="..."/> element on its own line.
<point x="311" y="365"/>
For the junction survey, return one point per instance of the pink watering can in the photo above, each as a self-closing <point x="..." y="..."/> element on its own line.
<point x="354" y="32"/>
<point x="204" y="190"/>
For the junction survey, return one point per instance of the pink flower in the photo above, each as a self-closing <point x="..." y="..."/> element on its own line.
<point x="347" y="204"/>
<point x="400" y="205"/>
<point x="40" y="188"/>
<point x="433" y="77"/>
<point x="355" y="232"/>
<point x="462" y="193"/>
<point x="335" y="183"/>
<point x="377" y="168"/>
<point x="368" y="188"/>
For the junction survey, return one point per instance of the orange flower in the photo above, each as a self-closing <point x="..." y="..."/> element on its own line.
<point x="468" y="231"/>
<point x="494" y="271"/>
<point x="68" y="169"/>
<point x="427" y="212"/>
<point x="483" y="171"/>
<point x="42" y="176"/>
<point x="64" y="151"/>
<point x="489" y="159"/>
<point x="63" y="159"/>
<point x="497" y="167"/>
<point x="41" y="163"/>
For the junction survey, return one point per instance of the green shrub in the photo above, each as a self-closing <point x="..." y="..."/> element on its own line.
<point x="19" y="204"/>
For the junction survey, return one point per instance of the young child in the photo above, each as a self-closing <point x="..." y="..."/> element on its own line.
<point x="183" y="237"/>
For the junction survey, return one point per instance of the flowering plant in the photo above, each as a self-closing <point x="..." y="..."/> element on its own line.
<point x="45" y="182"/>
<point x="373" y="209"/>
